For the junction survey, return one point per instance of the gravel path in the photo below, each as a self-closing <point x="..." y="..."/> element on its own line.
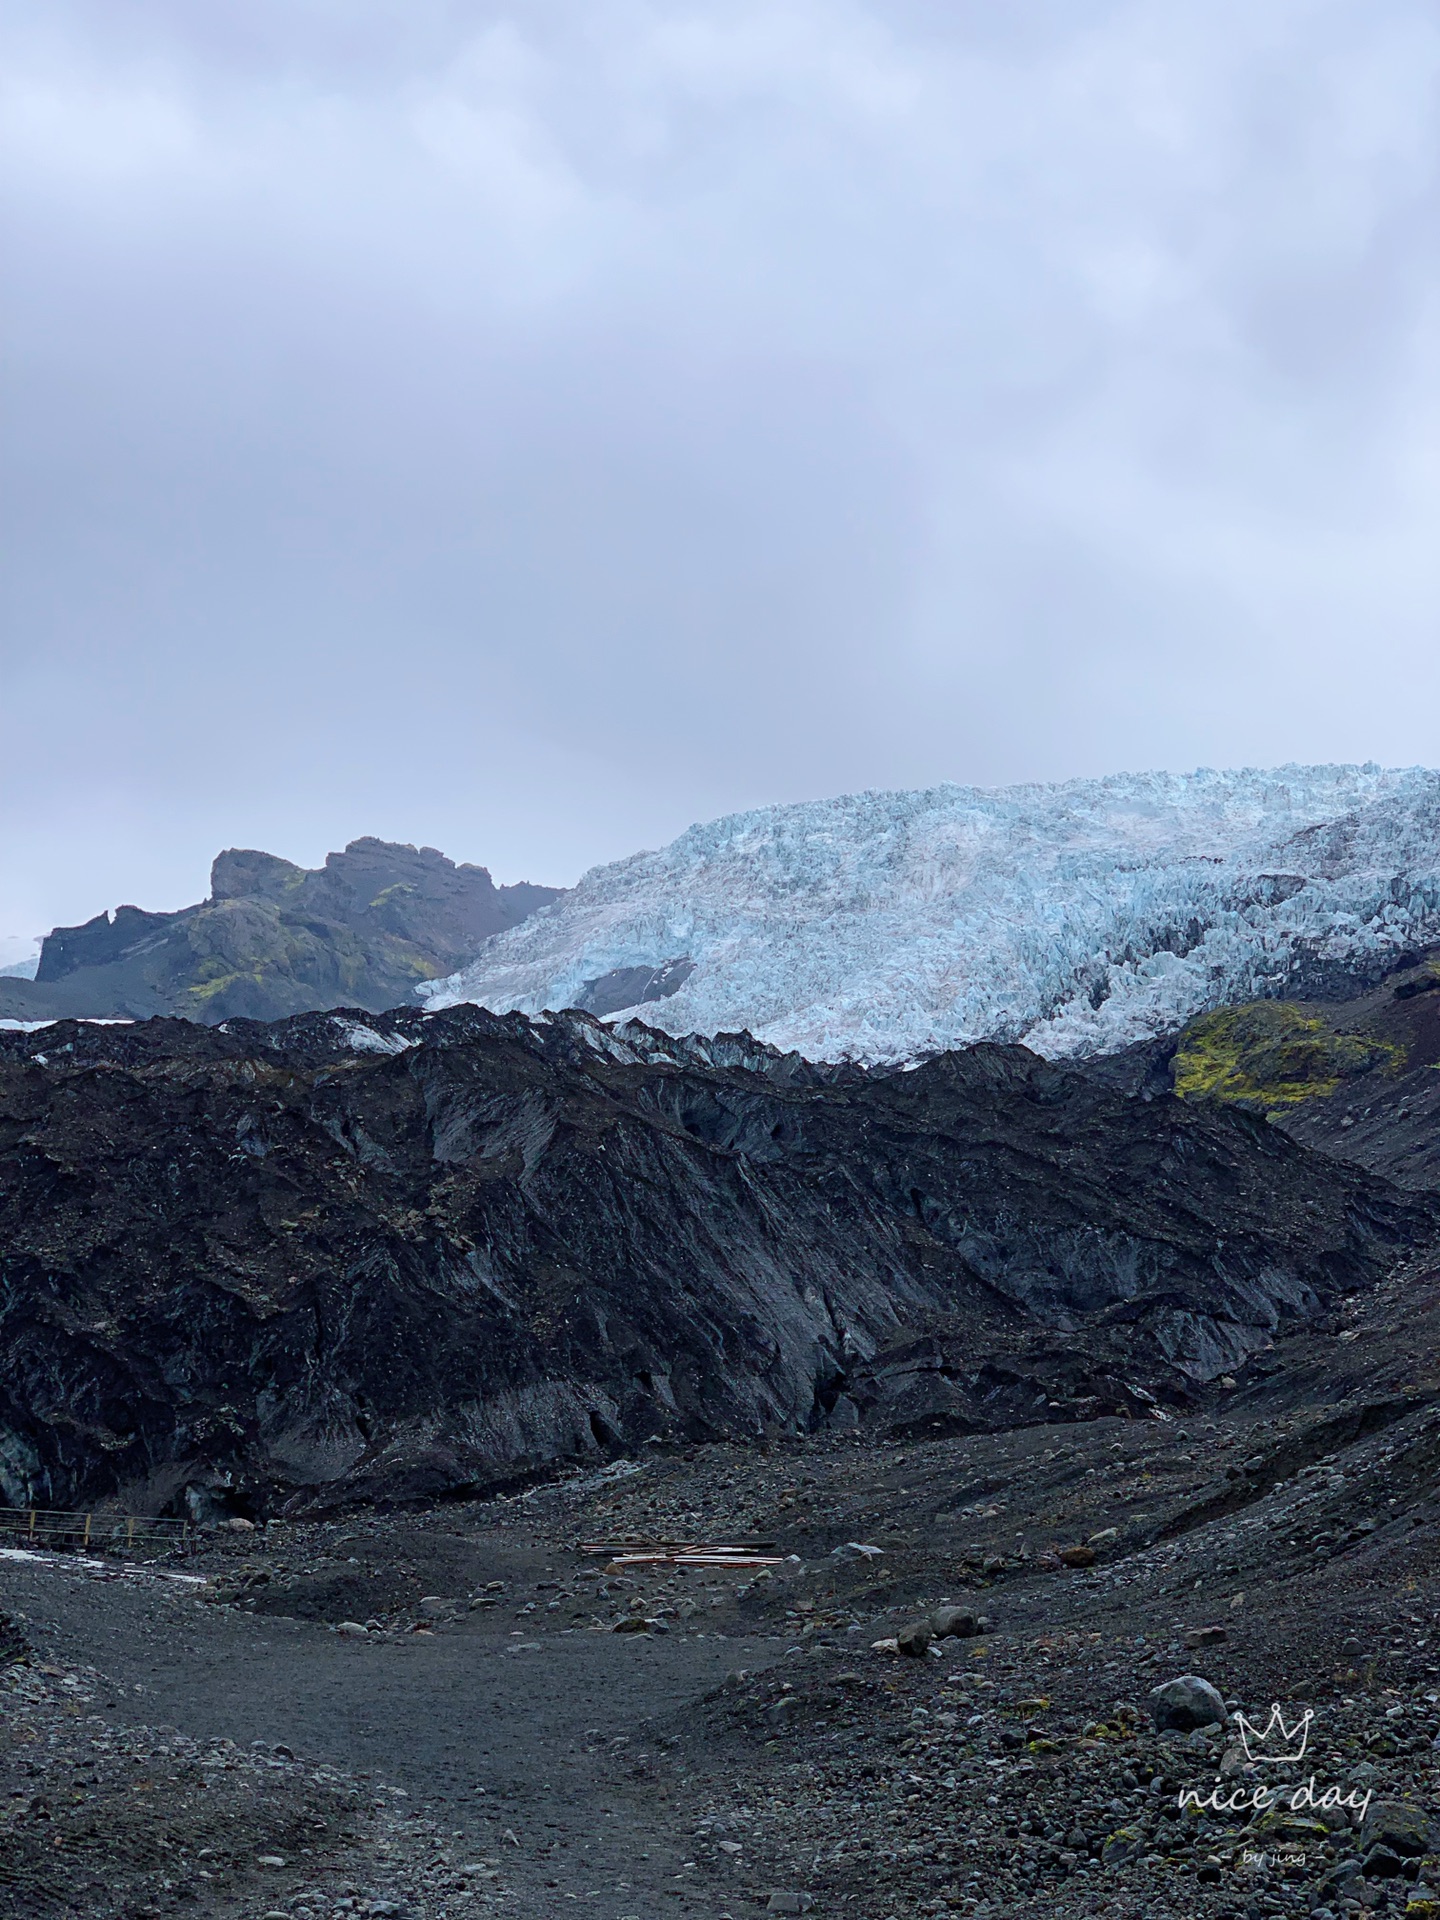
<point x="548" y="1757"/>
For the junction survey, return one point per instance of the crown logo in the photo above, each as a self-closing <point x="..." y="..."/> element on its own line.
<point x="1276" y="1741"/>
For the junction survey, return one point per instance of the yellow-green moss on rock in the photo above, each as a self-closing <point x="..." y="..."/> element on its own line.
<point x="1269" y="1056"/>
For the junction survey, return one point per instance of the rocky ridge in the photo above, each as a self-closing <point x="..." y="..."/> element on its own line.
<point x="346" y="1256"/>
<point x="274" y="939"/>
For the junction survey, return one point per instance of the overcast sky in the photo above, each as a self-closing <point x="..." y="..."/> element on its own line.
<point x="531" y="429"/>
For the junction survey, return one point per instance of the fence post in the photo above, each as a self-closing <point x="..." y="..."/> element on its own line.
<point x="32" y="1521"/>
<point x="88" y="1518"/>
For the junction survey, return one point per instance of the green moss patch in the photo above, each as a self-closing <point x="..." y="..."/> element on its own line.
<point x="1269" y="1056"/>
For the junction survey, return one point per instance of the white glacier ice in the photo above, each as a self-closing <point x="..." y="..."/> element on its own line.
<point x="1077" y="918"/>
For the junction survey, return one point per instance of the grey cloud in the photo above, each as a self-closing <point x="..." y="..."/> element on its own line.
<point x="529" y="430"/>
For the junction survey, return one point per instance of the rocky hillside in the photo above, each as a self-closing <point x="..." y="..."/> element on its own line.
<point x="343" y="1256"/>
<point x="364" y="930"/>
<point x="1076" y="919"/>
<point x="1356" y="1078"/>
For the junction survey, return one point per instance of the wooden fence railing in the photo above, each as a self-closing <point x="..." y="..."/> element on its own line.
<point x="125" y="1533"/>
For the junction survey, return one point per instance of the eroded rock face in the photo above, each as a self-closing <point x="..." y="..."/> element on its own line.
<point x="344" y="1256"/>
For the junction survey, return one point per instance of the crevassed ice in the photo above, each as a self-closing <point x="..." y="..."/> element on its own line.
<point x="1076" y="918"/>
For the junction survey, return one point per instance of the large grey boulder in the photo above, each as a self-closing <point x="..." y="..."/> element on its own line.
<point x="1183" y="1704"/>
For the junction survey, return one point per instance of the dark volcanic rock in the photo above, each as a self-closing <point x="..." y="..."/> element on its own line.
<point x="634" y="987"/>
<point x="275" y="939"/>
<point x="343" y="1256"/>
<point x="13" y="1645"/>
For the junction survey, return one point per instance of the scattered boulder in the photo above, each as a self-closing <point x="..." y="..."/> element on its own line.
<point x="1397" y="1825"/>
<point x="352" y="1630"/>
<point x="1186" y="1703"/>
<point x="1107" y="1537"/>
<point x="955" y="1623"/>
<point x="914" y="1639"/>
<point x="1382" y="1863"/>
<point x="1077" y="1556"/>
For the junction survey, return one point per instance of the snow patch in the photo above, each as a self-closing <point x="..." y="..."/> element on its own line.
<point x="361" y="1039"/>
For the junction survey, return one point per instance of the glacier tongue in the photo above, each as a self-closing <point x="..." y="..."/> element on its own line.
<point x="1076" y="918"/>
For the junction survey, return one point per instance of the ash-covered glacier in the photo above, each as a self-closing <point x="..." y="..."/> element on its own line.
<point x="1076" y="918"/>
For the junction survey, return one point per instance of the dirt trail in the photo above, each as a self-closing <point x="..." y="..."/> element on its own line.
<point x="532" y="1754"/>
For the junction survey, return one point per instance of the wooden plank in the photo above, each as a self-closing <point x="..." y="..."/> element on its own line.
<point x="676" y="1546"/>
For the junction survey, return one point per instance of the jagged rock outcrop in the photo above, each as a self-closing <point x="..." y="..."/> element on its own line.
<point x="364" y="930"/>
<point x="346" y="1256"/>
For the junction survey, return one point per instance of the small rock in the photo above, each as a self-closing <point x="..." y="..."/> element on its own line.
<point x="632" y="1623"/>
<point x="1124" y="1845"/>
<point x="237" y="1525"/>
<point x="1106" y="1537"/>
<point x="789" y="1903"/>
<point x="1185" y="1703"/>
<point x="352" y="1630"/>
<point x="269" y="1860"/>
<point x="1206" y="1637"/>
